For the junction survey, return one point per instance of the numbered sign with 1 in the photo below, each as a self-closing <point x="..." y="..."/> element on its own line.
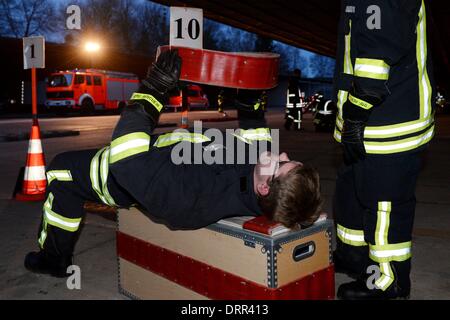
<point x="33" y="52"/>
<point x="186" y="27"/>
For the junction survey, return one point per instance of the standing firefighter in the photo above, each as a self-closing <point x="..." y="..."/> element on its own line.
<point x="294" y="102"/>
<point x="264" y="101"/>
<point x="384" y="91"/>
<point x="220" y="102"/>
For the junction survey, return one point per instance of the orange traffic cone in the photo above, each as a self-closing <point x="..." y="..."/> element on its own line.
<point x="34" y="179"/>
<point x="184" y="119"/>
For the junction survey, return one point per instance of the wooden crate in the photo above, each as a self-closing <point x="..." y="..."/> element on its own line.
<point x="222" y="261"/>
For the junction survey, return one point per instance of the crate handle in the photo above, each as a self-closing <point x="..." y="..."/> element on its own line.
<point x="303" y="251"/>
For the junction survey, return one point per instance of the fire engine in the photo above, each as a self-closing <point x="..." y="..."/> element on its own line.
<point x="89" y="89"/>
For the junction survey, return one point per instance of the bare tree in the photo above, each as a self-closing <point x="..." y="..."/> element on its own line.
<point x="126" y="23"/>
<point x="23" y="18"/>
<point x="321" y="66"/>
<point x="98" y="19"/>
<point x="152" y="28"/>
<point x="209" y="41"/>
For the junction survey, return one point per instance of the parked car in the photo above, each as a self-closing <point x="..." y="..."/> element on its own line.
<point x="196" y="98"/>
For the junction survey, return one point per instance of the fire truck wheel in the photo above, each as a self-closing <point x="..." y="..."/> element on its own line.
<point x="87" y="106"/>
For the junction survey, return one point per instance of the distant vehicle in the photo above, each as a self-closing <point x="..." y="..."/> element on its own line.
<point x="196" y="98"/>
<point x="324" y="112"/>
<point x="89" y="89"/>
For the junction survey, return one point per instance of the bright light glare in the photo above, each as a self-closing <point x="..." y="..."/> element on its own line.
<point x="92" y="46"/>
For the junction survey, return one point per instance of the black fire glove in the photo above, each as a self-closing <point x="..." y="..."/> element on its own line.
<point x="356" y="112"/>
<point x="353" y="141"/>
<point x="162" y="76"/>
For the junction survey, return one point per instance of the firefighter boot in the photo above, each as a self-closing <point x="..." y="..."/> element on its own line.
<point x="350" y="260"/>
<point x="42" y="262"/>
<point x="363" y="288"/>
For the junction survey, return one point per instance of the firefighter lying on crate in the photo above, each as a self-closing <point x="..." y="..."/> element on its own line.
<point x="136" y="168"/>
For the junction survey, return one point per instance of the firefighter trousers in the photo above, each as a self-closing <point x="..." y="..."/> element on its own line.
<point x="72" y="179"/>
<point x="293" y="116"/>
<point x="374" y="206"/>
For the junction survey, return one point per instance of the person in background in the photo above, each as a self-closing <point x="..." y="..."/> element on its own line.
<point x="220" y="102"/>
<point x="294" y="102"/>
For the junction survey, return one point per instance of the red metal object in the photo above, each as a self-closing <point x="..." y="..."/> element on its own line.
<point x="33" y="93"/>
<point x="215" y="283"/>
<point x="243" y="70"/>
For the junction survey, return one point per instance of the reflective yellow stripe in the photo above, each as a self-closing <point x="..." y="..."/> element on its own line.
<point x="256" y="106"/>
<point x="43" y="234"/>
<point x="171" y="138"/>
<point x="397" y="130"/>
<point x="348" y="67"/>
<point x="371" y="68"/>
<point x="256" y="134"/>
<point x="342" y="98"/>
<point x="104" y="168"/>
<point x="60" y="175"/>
<point x="383" y="221"/>
<point x="337" y="134"/>
<point x="148" y="97"/>
<point x="383" y="252"/>
<point x="386" y="278"/>
<point x="350" y="236"/>
<point x="360" y="103"/>
<point x="399" y="145"/>
<point x="57" y="220"/>
<point x="250" y="135"/>
<point x="421" y="56"/>
<point x="129" y="145"/>
<point x="95" y="181"/>
<point x="389" y="147"/>
<point x="390" y="252"/>
<point x="391" y="131"/>
<point x="289" y="95"/>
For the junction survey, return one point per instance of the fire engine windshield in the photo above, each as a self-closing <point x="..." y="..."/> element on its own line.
<point x="60" y="80"/>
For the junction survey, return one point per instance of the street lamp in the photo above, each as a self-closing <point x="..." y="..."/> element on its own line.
<point x="91" y="48"/>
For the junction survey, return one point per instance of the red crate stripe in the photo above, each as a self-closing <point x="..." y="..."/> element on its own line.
<point x="215" y="283"/>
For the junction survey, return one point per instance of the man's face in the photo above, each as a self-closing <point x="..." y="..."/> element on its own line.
<point x="272" y="165"/>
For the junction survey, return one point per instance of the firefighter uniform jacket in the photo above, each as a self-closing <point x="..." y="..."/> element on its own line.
<point x="382" y="49"/>
<point x="294" y="95"/>
<point x="183" y="195"/>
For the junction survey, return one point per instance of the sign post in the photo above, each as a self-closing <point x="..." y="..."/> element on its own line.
<point x="33" y="57"/>
<point x="34" y="179"/>
<point x="186" y="30"/>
